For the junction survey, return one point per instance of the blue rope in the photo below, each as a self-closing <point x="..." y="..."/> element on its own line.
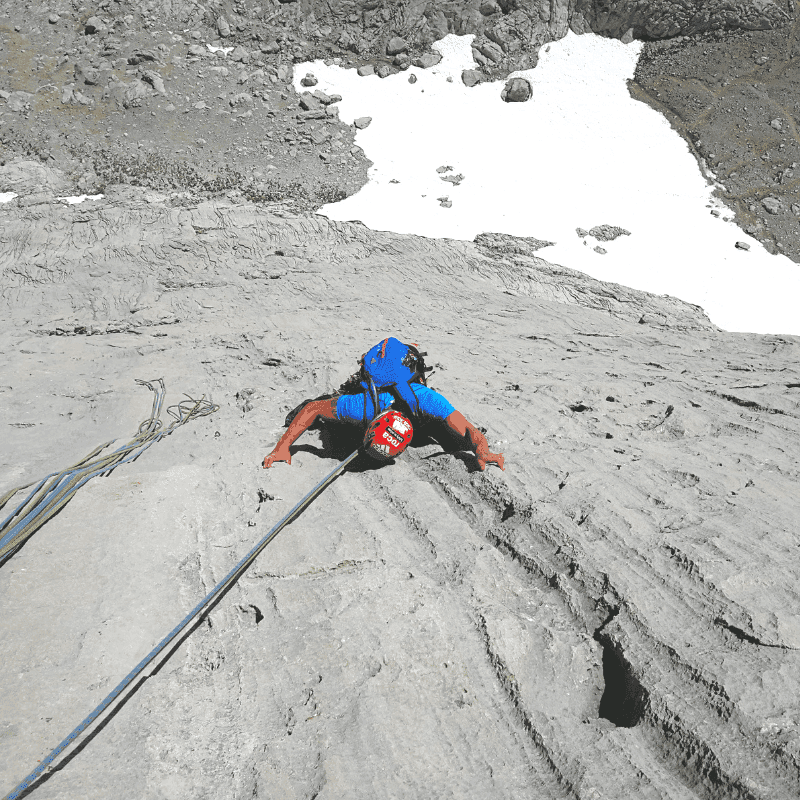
<point x="229" y="579"/>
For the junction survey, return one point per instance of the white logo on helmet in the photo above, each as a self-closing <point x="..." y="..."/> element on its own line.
<point x="400" y="425"/>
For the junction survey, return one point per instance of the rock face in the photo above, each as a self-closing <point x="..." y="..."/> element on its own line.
<point x="749" y="73"/>
<point x="612" y="616"/>
<point x="663" y="18"/>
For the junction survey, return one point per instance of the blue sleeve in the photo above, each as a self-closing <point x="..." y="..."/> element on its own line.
<point x="431" y="404"/>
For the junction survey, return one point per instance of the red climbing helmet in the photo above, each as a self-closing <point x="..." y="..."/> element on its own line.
<point x="388" y="435"/>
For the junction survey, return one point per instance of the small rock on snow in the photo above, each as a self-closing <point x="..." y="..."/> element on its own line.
<point x="742" y="246"/>
<point x="471" y="77"/>
<point x="607" y="233"/>
<point x="427" y="60"/>
<point x="362" y="122"/>
<point x="366" y="69"/>
<point x="517" y="90"/>
<point x="309" y="80"/>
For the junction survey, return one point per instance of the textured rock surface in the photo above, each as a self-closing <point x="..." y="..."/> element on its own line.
<point x="612" y="616"/>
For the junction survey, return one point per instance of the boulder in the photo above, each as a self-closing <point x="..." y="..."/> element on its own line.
<point x="492" y="51"/>
<point x="427" y="60"/>
<point x="223" y="28"/>
<point x="94" y="25"/>
<point x="155" y="80"/>
<point x="310" y="103"/>
<point x="395" y="46"/>
<point x="134" y="93"/>
<point x="607" y="233"/>
<point x="18" y="101"/>
<point x="24" y="177"/>
<point x="242" y="100"/>
<point x="141" y="56"/>
<point x="471" y="77"/>
<point x="516" y="90"/>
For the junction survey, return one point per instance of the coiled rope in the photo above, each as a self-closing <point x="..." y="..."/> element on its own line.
<point x="55" y="490"/>
<point x="227" y="581"/>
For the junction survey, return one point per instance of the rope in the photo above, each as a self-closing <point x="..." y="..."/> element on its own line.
<point x="55" y="490"/>
<point x="224" y="584"/>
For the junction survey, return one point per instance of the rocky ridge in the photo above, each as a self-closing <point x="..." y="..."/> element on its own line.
<point x="611" y="616"/>
<point x="199" y="98"/>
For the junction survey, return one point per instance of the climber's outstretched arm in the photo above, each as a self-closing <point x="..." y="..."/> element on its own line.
<point x="461" y="426"/>
<point x="299" y="425"/>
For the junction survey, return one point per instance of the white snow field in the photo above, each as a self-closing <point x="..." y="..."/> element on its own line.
<point x="580" y="153"/>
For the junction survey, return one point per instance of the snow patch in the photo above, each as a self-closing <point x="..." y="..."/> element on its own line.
<point x="580" y="153"/>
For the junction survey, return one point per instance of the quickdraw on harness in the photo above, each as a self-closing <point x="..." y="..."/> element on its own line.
<point x="391" y="365"/>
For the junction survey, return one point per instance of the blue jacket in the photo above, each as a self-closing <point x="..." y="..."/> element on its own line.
<point x="432" y="405"/>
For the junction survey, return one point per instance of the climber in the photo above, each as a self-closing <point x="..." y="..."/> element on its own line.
<point x="390" y="374"/>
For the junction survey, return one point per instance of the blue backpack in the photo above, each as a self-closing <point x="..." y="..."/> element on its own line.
<point x="391" y="365"/>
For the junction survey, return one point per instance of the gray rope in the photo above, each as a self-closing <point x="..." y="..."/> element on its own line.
<point x="227" y="581"/>
<point x="54" y="491"/>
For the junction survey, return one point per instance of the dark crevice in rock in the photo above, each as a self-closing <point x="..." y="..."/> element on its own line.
<point x="746" y="403"/>
<point x="624" y="699"/>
